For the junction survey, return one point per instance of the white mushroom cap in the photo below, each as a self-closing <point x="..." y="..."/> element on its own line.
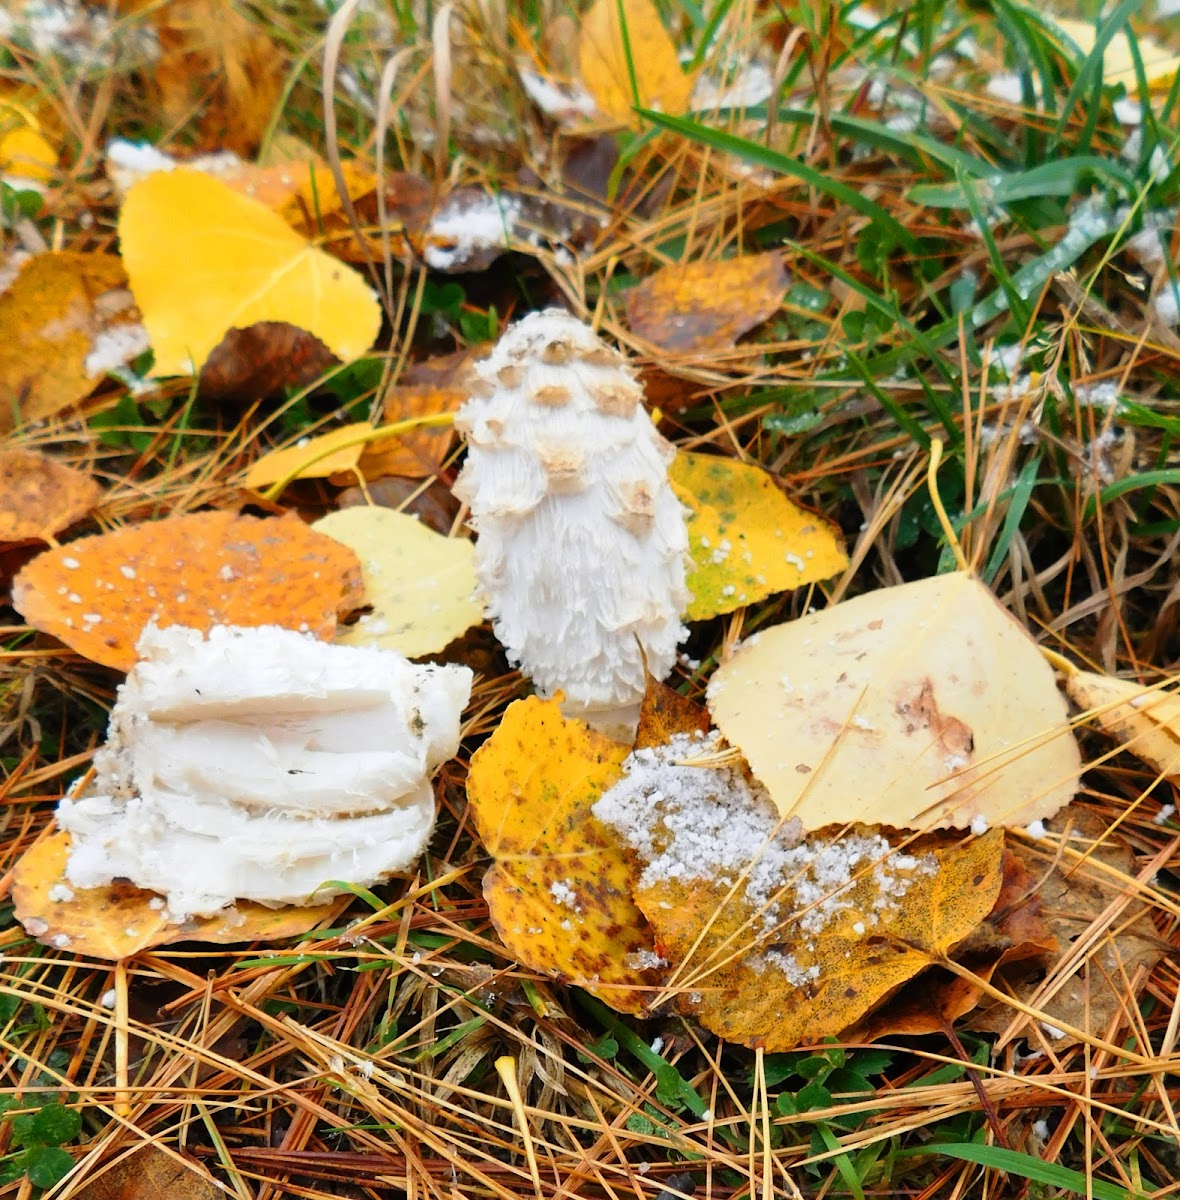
<point x="582" y="544"/>
<point x="257" y="764"/>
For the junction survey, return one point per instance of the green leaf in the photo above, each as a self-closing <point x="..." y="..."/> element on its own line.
<point x="1035" y="1169"/>
<point x="48" y="1165"/>
<point x="54" y="1125"/>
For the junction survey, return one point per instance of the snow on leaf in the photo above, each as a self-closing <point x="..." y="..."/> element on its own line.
<point x="918" y="706"/>
<point x="606" y="69"/>
<point x="702" y="307"/>
<point x="746" y="539"/>
<point x="98" y="593"/>
<point x="40" y="496"/>
<point x="421" y="586"/>
<point x="304" y="461"/>
<point x="203" y="259"/>
<point x="559" y="892"/>
<point x="777" y="940"/>
<point x="1145" y="720"/>
<point x="119" y="920"/>
<point x="51" y="319"/>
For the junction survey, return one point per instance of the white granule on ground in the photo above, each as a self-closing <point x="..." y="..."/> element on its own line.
<point x="707" y="823"/>
<point x="559" y="100"/>
<point x="1167" y="304"/>
<point x="1006" y="87"/>
<point x="645" y="960"/>
<point x="1097" y="395"/>
<point x="462" y="231"/>
<point x="1036" y="830"/>
<point x="115" y="347"/>
<point x="563" y="893"/>
<point x="108" y="999"/>
<point x="1056" y="1034"/>
<point x="1164" y="815"/>
<point x="61" y="894"/>
<point x="979" y="825"/>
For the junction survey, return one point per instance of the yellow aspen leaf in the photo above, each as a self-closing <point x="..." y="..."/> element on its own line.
<point x="26" y="158"/>
<point x="213" y="568"/>
<point x="746" y="540"/>
<point x="559" y="891"/>
<point x="606" y="66"/>
<point x="924" y="705"/>
<point x="304" y="461"/>
<point x="704" y="307"/>
<point x="203" y="259"/>
<point x="119" y="920"/>
<point x="420" y="585"/>
<point x="801" y="983"/>
<point x="418" y="453"/>
<point x="1145" y="720"/>
<point x="52" y="318"/>
<point x="1118" y="64"/>
<point x="40" y="496"/>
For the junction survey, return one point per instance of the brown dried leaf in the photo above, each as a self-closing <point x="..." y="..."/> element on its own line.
<point x="40" y="496"/>
<point x="201" y="570"/>
<point x="419" y="453"/>
<point x="149" y="1173"/>
<point x="705" y="306"/>
<point x="49" y="319"/>
<point x="1072" y="897"/>
<point x="711" y="935"/>
<point x="262" y="360"/>
<point x="117" y="921"/>
<point x="559" y="892"/>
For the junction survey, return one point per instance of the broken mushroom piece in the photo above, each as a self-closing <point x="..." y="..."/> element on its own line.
<point x="260" y="764"/>
<point x="582" y="544"/>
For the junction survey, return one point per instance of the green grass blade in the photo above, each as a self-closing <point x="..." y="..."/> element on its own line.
<point x="1021" y="494"/>
<point x="1034" y="1169"/>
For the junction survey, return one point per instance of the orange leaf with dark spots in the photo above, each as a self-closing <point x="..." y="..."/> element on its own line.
<point x="40" y="496"/>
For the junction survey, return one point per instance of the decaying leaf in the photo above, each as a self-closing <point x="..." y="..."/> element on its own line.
<point x="776" y="939"/>
<point x="1147" y="720"/>
<point x="607" y="57"/>
<point x="1087" y="991"/>
<point x="148" y="1173"/>
<point x="62" y="324"/>
<point x="702" y="307"/>
<point x="40" y="496"/>
<point x="98" y="593"/>
<point x="746" y="539"/>
<point x="303" y="461"/>
<point x="918" y="706"/>
<point x="559" y="892"/>
<point x="421" y="586"/>
<point x="117" y="921"/>
<point x="203" y="259"/>
<point x="417" y="453"/>
<point x="262" y="360"/>
<point x="665" y="713"/>
<point x="218" y="65"/>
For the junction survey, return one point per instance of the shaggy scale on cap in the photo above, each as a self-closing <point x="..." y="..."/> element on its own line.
<point x="582" y="543"/>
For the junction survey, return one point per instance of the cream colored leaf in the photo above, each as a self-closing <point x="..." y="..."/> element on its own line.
<point x="421" y="585"/>
<point x="1118" y="64"/>
<point x="1146" y="720"/>
<point x="919" y="706"/>
<point x="203" y="259"/>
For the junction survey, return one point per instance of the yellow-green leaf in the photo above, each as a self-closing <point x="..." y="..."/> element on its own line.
<point x="420" y="584"/>
<point x="746" y="539"/>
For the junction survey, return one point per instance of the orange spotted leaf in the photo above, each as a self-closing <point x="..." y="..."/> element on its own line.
<point x="213" y="568"/>
<point x="559" y="891"/>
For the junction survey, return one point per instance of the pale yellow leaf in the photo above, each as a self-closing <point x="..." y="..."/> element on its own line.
<point x="603" y="44"/>
<point x="919" y="706"/>
<point x="421" y="585"/>
<point x="1118" y="65"/>
<point x="203" y="259"/>
<point x="1146" y="720"/>
<point x="304" y="461"/>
